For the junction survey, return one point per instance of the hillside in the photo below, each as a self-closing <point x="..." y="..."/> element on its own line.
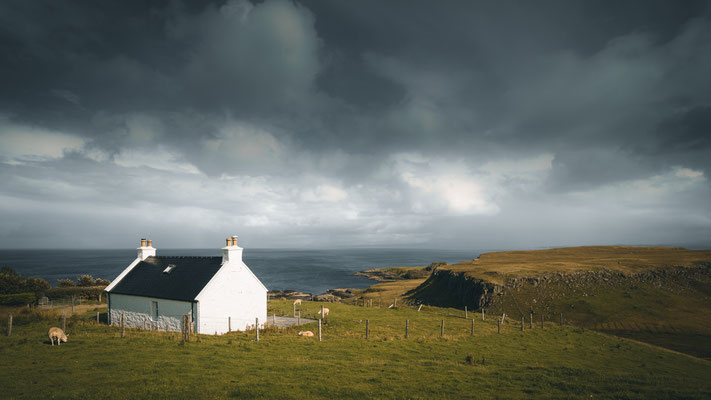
<point x="659" y="295"/>
<point x="553" y="362"/>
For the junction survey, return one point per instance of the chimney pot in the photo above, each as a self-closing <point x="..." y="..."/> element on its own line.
<point x="234" y="240"/>
<point x="150" y="243"/>
<point x="143" y="242"/>
<point x="228" y="242"/>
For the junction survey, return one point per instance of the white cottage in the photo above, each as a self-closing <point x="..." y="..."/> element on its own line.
<point x="213" y="291"/>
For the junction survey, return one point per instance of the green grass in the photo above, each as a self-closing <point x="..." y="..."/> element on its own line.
<point x="676" y="315"/>
<point x="555" y="362"/>
<point x="650" y="294"/>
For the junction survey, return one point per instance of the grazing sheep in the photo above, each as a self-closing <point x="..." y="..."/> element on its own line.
<point x="297" y="301"/>
<point x="305" y="333"/>
<point x="325" y="312"/>
<point x="58" y="334"/>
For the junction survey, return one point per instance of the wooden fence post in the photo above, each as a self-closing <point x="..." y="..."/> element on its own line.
<point x="482" y="314"/>
<point x="522" y="319"/>
<point x="123" y="326"/>
<point x="407" y="327"/>
<point x="319" y="329"/>
<point x="323" y="317"/>
<point x="294" y="310"/>
<point x="97" y="317"/>
<point x="441" y="329"/>
<point x="367" y="329"/>
<point x="541" y="321"/>
<point x="472" y="326"/>
<point x="274" y="320"/>
<point x="229" y="324"/>
<point x="298" y="321"/>
<point x="498" y="325"/>
<point x="256" y="327"/>
<point x="419" y="308"/>
<point x="9" y="324"/>
<point x="466" y="313"/>
<point x="64" y="320"/>
<point x="531" y="322"/>
<point x="184" y="326"/>
<point x="395" y="303"/>
<point x="561" y="319"/>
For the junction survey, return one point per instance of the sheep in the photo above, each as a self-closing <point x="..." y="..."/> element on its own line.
<point x="325" y="312"/>
<point x="306" y="333"/>
<point x="297" y="301"/>
<point x="57" y="333"/>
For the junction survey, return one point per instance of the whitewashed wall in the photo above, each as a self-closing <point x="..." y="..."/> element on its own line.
<point x="137" y="311"/>
<point x="233" y="292"/>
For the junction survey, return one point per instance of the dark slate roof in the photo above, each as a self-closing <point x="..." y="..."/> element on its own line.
<point x="184" y="282"/>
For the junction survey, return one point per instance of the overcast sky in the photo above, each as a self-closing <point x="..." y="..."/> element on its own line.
<point x="317" y="124"/>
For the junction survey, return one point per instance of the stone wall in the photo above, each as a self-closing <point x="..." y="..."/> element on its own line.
<point x="137" y="312"/>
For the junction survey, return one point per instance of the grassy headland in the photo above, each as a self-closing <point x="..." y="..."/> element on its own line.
<point x="659" y="295"/>
<point x="497" y="267"/>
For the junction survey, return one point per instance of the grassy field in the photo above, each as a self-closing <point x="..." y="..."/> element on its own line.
<point x="673" y="313"/>
<point x="554" y="362"/>
<point x="498" y="266"/>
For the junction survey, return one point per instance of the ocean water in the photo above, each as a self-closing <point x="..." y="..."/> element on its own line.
<point x="311" y="271"/>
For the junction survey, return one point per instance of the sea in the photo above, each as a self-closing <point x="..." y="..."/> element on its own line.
<point x="310" y="271"/>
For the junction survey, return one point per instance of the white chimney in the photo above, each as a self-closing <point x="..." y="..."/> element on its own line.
<point x="146" y="250"/>
<point x="231" y="252"/>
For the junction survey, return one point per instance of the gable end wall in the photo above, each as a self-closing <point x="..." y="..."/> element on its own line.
<point x="233" y="292"/>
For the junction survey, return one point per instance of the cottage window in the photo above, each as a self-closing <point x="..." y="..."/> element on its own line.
<point x="154" y="309"/>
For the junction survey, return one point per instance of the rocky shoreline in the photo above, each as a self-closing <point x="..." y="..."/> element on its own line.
<point x="331" y="295"/>
<point x="377" y="274"/>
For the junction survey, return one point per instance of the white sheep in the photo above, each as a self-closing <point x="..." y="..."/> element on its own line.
<point x="57" y="333"/>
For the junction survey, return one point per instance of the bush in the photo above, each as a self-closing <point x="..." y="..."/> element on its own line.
<point x="86" y="280"/>
<point x="65" y="282"/>
<point x="91" y="292"/>
<point x="17" y="299"/>
<point x="36" y="285"/>
<point x="11" y="282"/>
<point x="102" y="282"/>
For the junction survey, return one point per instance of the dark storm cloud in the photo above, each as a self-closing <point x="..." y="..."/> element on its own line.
<point x="369" y="121"/>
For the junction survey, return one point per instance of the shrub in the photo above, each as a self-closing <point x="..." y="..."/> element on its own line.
<point x="17" y="299"/>
<point x="102" y="282"/>
<point x="11" y="282"/>
<point x="91" y="292"/>
<point x="65" y="282"/>
<point x="86" y="280"/>
<point x="36" y="285"/>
